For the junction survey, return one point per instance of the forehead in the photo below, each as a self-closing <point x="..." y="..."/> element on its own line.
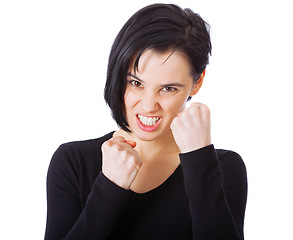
<point x="169" y="61"/>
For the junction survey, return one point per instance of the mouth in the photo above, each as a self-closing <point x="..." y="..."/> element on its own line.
<point x="148" y="124"/>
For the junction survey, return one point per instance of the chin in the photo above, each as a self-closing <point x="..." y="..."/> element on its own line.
<point x="150" y="136"/>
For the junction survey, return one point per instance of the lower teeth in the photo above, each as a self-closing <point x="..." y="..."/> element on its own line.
<point x="148" y="124"/>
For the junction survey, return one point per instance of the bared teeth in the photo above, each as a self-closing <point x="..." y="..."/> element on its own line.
<point x="149" y="121"/>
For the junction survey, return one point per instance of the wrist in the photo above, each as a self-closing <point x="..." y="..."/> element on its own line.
<point x="186" y="149"/>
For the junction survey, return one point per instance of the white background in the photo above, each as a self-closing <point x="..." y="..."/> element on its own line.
<point x="53" y="60"/>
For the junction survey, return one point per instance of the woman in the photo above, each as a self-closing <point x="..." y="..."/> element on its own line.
<point x="158" y="176"/>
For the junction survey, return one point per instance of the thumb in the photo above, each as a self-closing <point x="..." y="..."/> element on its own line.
<point x="131" y="143"/>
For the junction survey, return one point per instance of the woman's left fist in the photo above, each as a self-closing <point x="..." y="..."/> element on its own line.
<point x="192" y="128"/>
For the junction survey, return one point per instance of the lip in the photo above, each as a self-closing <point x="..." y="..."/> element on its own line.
<point x="145" y="127"/>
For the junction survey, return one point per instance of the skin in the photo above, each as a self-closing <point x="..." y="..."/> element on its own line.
<point x="142" y="160"/>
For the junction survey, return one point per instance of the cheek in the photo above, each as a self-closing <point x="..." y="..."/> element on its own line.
<point x="130" y="100"/>
<point x="174" y="107"/>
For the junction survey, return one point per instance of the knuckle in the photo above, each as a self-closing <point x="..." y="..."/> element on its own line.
<point x="119" y="139"/>
<point x="206" y="109"/>
<point x="139" y="163"/>
<point x="203" y="106"/>
<point x="124" y="156"/>
<point x="194" y="104"/>
<point x="116" y="148"/>
<point x="105" y="145"/>
<point x="174" y="121"/>
<point x="132" y="158"/>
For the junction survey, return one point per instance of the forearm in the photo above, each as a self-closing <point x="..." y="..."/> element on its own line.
<point x="94" y="221"/>
<point x="212" y="217"/>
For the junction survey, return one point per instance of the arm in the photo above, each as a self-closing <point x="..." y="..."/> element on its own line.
<point x="216" y="192"/>
<point x="66" y="217"/>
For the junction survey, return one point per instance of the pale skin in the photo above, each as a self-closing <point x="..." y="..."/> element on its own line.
<point x="143" y="159"/>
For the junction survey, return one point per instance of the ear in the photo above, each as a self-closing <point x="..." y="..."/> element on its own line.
<point x="198" y="84"/>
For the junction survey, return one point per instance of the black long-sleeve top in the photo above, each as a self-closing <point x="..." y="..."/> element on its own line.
<point x="204" y="198"/>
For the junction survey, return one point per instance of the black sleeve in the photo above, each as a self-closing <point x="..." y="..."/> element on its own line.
<point x="66" y="218"/>
<point x="217" y="193"/>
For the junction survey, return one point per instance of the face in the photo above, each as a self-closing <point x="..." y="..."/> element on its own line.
<point x="156" y="93"/>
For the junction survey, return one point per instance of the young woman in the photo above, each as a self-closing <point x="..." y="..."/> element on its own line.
<point x="158" y="176"/>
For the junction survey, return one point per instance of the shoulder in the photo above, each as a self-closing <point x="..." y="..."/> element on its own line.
<point x="87" y="144"/>
<point x="77" y="153"/>
<point x="84" y="146"/>
<point x="233" y="168"/>
<point x="230" y="159"/>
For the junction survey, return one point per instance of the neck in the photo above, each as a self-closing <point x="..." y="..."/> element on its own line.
<point x="151" y="149"/>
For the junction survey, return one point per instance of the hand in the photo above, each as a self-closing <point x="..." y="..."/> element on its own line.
<point x="120" y="161"/>
<point x="192" y="128"/>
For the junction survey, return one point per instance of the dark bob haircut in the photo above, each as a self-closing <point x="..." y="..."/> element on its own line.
<point x="160" y="27"/>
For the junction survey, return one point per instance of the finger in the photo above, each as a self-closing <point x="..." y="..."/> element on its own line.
<point x="117" y="139"/>
<point x="195" y="104"/>
<point x="175" y="118"/>
<point x="131" y="143"/>
<point x="199" y="106"/>
<point x="172" y="123"/>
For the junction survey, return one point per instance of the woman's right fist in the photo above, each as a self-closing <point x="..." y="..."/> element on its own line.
<point x="120" y="161"/>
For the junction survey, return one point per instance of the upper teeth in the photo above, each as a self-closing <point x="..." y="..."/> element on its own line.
<point x="149" y="121"/>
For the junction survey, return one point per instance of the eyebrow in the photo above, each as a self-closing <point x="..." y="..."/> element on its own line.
<point x="175" y="84"/>
<point x="137" y="78"/>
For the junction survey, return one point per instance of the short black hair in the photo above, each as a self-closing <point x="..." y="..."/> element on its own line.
<point x="160" y="27"/>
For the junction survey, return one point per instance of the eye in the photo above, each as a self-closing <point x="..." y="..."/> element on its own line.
<point x="135" y="83"/>
<point x="169" y="89"/>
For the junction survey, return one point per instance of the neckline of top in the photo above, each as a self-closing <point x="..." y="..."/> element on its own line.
<point x="159" y="188"/>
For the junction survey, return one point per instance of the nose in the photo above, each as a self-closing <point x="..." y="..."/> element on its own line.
<point x="149" y="102"/>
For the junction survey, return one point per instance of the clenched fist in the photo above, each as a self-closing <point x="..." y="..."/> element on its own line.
<point x="120" y="161"/>
<point x="192" y="128"/>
